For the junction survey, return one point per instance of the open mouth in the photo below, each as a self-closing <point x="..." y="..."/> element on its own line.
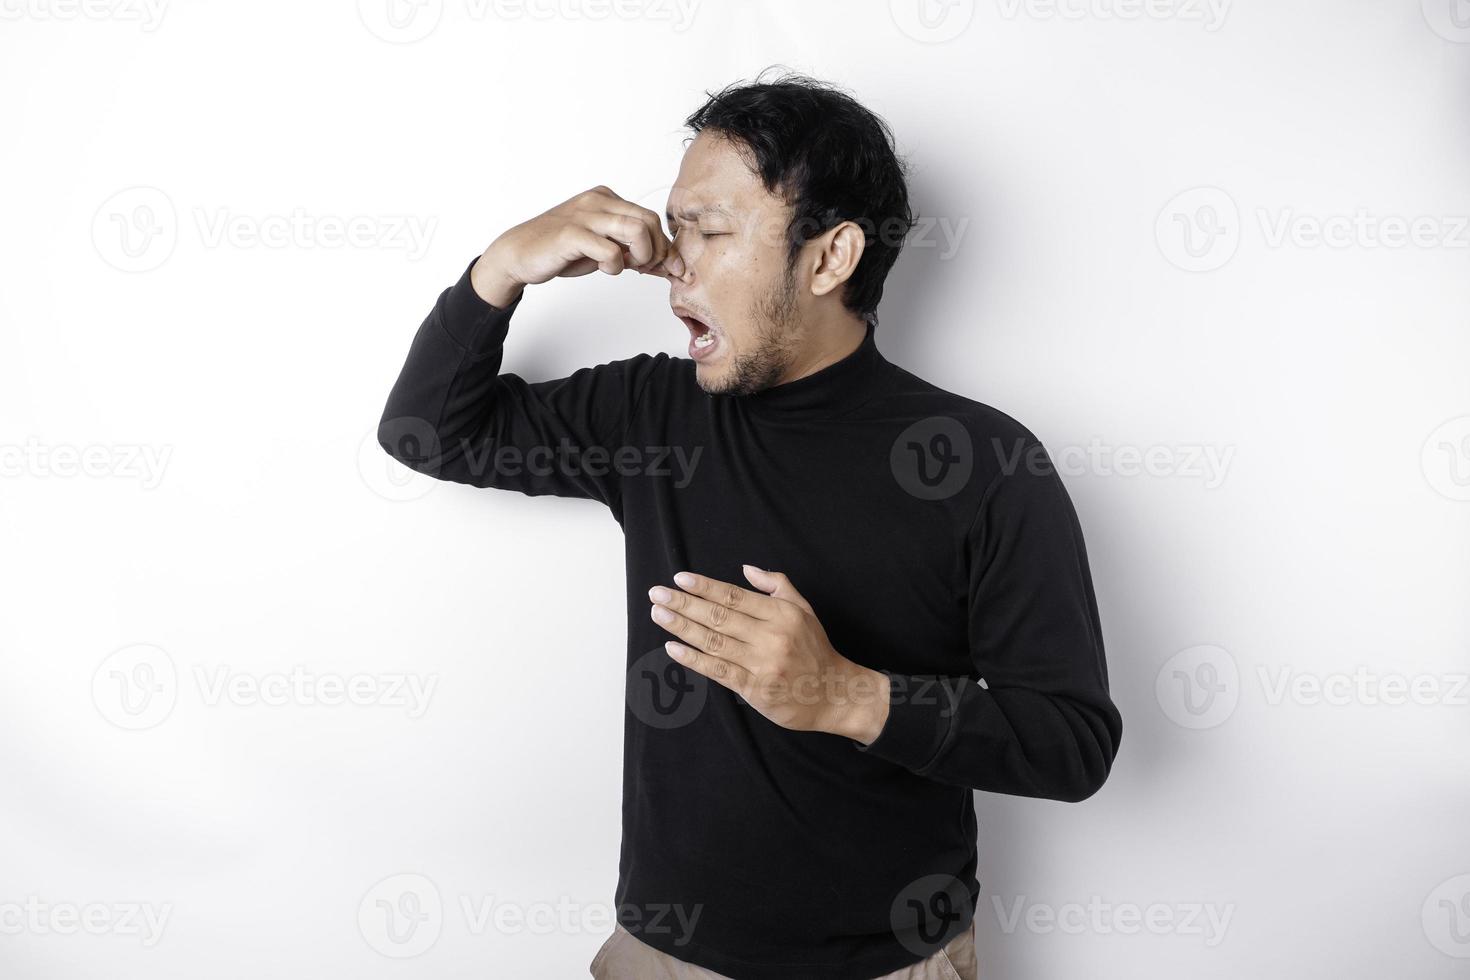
<point x="703" y="339"/>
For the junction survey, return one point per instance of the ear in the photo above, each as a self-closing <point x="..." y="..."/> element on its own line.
<point x="835" y="258"/>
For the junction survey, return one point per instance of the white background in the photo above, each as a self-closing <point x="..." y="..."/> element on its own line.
<point x="191" y="484"/>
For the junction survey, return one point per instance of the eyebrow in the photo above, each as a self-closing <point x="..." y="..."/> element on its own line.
<point x="693" y="214"/>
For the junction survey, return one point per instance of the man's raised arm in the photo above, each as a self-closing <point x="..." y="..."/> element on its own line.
<point x="454" y="416"/>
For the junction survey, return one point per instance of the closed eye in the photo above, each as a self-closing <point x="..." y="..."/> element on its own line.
<point x="674" y="231"/>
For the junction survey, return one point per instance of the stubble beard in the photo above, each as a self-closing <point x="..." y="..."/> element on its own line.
<point x="776" y="336"/>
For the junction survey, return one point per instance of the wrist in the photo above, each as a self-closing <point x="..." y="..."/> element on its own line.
<point x="492" y="282"/>
<point x="865" y="710"/>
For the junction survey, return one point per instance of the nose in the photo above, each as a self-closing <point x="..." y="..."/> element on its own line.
<point x="679" y="262"/>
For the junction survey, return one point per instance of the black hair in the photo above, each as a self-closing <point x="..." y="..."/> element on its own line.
<point x="829" y="158"/>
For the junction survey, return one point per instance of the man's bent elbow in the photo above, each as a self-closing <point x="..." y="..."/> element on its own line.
<point x="1096" y="765"/>
<point x="412" y="441"/>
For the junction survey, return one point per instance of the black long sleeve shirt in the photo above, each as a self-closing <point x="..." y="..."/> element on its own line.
<point x="934" y="542"/>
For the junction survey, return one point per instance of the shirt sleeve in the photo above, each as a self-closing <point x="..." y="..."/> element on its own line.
<point x="1035" y="718"/>
<point x="453" y="415"/>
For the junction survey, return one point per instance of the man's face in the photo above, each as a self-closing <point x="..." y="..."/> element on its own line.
<point x="739" y="298"/>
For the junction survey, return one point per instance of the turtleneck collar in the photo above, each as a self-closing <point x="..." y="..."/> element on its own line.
<point x="836" y="388"/>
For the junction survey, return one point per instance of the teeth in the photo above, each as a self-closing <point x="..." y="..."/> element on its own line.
<point x="704" y="340"/>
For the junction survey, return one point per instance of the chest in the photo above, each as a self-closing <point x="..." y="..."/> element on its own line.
<point x="883" y="569"/>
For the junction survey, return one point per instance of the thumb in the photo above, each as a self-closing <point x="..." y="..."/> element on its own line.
<point x="776" y="585"/>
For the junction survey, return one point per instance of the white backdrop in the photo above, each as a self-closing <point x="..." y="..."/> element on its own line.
<point x="266" y="703"/>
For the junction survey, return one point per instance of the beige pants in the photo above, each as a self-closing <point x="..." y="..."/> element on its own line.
<point x="625" y="957"/>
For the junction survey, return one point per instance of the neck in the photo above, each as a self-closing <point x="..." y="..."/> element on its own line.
<point x="841" y="377"/>
<point x="826" y="345"/>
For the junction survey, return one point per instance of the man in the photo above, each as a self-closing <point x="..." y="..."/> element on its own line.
<point x="853" y="597"/>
